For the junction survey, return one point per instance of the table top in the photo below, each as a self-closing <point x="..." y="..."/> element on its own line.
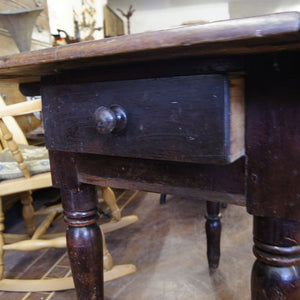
<point x="268" y="33"/>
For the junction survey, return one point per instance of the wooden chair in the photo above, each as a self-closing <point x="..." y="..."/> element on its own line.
<point x="23" y="185"/>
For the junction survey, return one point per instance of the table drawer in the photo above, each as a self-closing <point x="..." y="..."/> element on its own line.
<point x="197" y="118"/>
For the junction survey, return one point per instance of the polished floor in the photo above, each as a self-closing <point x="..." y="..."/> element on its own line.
<point x="168" y="247"/>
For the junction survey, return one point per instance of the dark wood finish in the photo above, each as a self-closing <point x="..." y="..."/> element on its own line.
<point x="162" y="198"/>
<point x="84" y="239"/>
<point x="273" y="179"/>
<point x="167" y="118"/>
<point x="269" y="175"/>
<point x="276" y="272"/>
<point x="30" y="89"/>
<point x="184" y="66"/>
<point x="213" y="233"/>
<point x="241" y="36"/>
<point x="273" y="94"/>
<point x="191" y="180"/>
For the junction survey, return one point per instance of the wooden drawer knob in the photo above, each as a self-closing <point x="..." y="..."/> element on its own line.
<point x="112" y="119"/>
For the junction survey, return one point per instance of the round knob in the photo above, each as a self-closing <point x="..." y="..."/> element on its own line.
<point x="111" y="119"/>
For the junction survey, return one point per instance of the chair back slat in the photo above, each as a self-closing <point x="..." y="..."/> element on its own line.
<point x="21" y="108"/>
<point x="12" y="126"/>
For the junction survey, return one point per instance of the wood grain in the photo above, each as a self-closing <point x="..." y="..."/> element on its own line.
<point x="169" y="270"/>
<point x="273" y="136"/>
<point x="206" y="182"/>
<point x="276" y="271"/>
<point x="183" y="118"/>
<point x="271" y="33"/>
<point x="237" y="116"/>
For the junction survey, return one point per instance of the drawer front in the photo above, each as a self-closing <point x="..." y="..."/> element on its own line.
<point x="183" y="118"/>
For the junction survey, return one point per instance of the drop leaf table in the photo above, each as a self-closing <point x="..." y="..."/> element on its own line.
<point x="209" y="111"/>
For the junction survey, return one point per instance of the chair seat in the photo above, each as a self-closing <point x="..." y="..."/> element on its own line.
<point x="36" y="157"/>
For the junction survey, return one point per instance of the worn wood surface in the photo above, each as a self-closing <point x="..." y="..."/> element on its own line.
<point x="276" y="272"/>
<point x="84" y="239"/>
<point x="273" y="136"/>
<point x="269" y="33"/>
<point x="184" y="66"/>
<point x="167" y="118"/>
<point x="191" y="180"/>
<point x="271" y="166"/>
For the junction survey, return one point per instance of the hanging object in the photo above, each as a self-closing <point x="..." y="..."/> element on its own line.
<point x="20" y="23"/>
<point x="127" y="15"/>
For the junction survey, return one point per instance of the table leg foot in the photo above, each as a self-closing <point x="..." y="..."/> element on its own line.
<point x="84" y="241"/>
<point x="276" y="272"/>
<point x="162" y="199"/>
<point x="213" y="233"/>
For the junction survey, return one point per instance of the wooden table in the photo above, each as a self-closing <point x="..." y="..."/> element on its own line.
<point x="164" y="111"/>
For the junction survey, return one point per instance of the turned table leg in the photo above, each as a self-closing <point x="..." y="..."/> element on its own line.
<point x="213" y="233"/>
<point x="276" y="271"/>
<point x="162" y="199"/>
<point x="84" y="241"/>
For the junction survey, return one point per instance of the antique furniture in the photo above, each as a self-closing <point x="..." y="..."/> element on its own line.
<point x="24" y="26"/>
<point x="24" y="168"/>
<point x="164" y="111"/>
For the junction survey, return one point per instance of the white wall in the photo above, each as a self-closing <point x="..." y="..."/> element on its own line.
<point x="246" y="8"/>
<point x="162" y="14"/>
